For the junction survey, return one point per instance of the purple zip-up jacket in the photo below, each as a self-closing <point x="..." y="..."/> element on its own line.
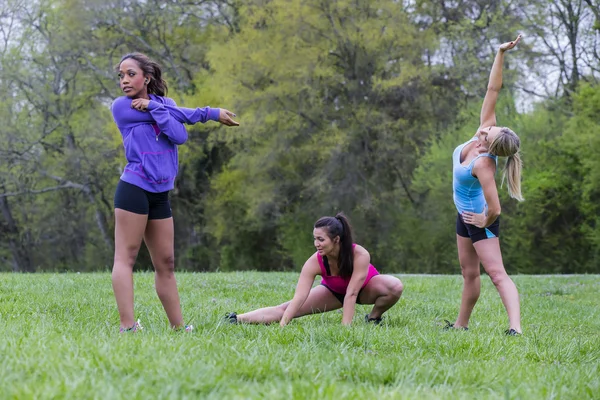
<point x="150" y="139"/>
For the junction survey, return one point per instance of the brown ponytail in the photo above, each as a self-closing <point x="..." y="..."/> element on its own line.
<point x="340" y="226"/>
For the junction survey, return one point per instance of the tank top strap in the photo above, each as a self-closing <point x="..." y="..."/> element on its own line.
<point x="321" y="265"/>
<point x="458" y="150"/>
<point x="472" y="163"/>
<point x="493" y="157"/>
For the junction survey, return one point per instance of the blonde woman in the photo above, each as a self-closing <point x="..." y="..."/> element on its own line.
<point x="478" y="205"/>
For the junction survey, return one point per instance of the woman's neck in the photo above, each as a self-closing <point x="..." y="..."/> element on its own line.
<point x="477" y="150"/>
<point x="335" y="254"/>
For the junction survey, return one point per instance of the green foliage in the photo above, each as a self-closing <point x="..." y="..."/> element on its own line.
<point x="350" y="106"/>
<point x="333" y="102"/>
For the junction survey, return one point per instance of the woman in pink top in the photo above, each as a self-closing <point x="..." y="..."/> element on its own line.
<point x="348" y="279"/>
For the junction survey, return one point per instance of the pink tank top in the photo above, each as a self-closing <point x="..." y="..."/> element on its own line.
<point x="339" y="284"/>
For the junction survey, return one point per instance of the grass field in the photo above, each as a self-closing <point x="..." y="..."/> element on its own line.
<point x="59" y="339"/>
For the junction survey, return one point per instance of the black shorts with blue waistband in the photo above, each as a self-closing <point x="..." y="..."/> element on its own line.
<point x="475" y="233"/>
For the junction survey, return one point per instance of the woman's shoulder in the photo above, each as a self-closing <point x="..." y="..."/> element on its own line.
<point x="484" y="161"/>
<point x="314" y="259"/>
<point x="313" y="264"/>
<point x="358" y="249"/>
<point x="120" y="101"/>
<point x="121" y="109"/>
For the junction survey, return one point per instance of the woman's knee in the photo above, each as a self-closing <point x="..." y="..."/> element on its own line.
<point x="470" y="273"/>
<point x="165" y="265"/>
<point x="126" y="257"/>
<point x="498" y="276"/>
<point x="397" y="288"/>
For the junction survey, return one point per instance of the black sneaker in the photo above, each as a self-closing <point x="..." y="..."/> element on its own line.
<point x="375" y="321"/>
<point x="512" y="332"/>
<point x="450" y="325"/>
<point x="231" y="318"/>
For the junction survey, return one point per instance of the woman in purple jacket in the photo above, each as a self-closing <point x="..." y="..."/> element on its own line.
<point x="152" y="127"/>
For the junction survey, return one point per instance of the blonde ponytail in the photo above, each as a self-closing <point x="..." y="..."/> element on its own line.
<point x="512" y="174"/>
<point x="507" y="144"/>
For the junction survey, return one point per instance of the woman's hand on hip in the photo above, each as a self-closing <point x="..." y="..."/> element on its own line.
<point x="474" y="219"/>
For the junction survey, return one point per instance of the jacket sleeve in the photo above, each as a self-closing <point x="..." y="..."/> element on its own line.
<point x="168" y="124"/>
<point x="127" y="117"/>
<point x="122" y="112"/>
<point x="193" y="115"/>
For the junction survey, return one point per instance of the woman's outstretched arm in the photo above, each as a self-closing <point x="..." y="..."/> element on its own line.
<point x="488" y="113"/>
<point x="307" y="277"/>
<point x="191" y="116"/>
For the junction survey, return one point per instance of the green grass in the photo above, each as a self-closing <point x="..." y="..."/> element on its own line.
<point x="59" y="339"/>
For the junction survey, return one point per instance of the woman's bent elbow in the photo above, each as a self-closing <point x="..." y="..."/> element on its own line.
<point x="494" y="212"/>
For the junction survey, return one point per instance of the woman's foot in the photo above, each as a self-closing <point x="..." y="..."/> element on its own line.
<point x="136" y="327"/>
<point x="231" y="318"/>
<point x="450" y="325"/>
<point x="512" y="332"/>
<point x="375" y="321"/>
<point x="185" y="328"/>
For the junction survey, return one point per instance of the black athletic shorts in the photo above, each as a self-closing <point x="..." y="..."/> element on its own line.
<point x="340" y="296"/>
<point x="476" y="234"/>
<point x="132" y="198"/>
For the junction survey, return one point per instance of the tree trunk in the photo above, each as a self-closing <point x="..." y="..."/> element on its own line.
<point x="10" y="232"/>
<point x="101" y="222"/>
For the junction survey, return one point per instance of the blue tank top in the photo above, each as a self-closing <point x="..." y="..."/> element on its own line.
<point x="468" y="194"/>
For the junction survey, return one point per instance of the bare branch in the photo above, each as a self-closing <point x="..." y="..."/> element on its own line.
<point x="68" y="185"/>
